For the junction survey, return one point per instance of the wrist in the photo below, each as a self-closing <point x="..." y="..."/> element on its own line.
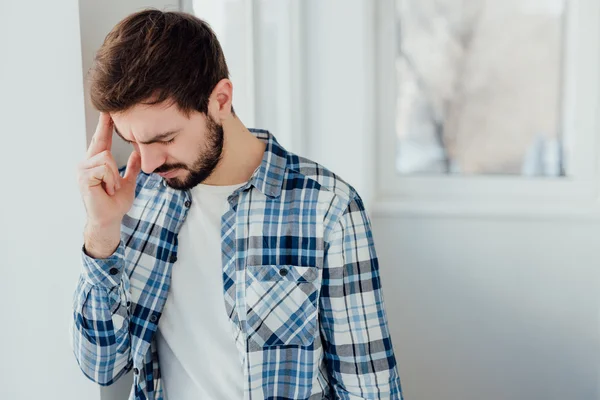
<point x="101" y="240"/>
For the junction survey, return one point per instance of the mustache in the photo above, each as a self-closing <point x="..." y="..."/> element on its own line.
<point x="168" y="167"/>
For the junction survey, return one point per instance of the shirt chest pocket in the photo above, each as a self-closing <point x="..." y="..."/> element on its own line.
<point x="281" y="304"/>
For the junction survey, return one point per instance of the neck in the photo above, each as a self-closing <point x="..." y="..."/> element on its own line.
<point x="242" y="154"/>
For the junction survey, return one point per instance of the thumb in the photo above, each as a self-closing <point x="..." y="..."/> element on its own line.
<point x="134" y="166"/>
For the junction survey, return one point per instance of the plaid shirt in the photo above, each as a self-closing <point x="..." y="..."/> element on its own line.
<point x="301" y="287"/>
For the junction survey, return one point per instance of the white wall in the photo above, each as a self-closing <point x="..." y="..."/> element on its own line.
<point x="479" y="307"/>
<point x="492" y="308"/>
<point x="41" y="215"/>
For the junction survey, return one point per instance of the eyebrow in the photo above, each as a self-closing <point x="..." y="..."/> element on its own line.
<point x="158" y="138"/>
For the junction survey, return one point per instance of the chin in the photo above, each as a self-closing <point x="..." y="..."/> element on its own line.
<point x="178" y="181"/>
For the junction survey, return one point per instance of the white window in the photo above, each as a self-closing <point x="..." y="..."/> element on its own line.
<point x="488" y="105"/>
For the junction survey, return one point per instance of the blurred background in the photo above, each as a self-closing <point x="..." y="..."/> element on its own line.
<point x="470" y="128"/>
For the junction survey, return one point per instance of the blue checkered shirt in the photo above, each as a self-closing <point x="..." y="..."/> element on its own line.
<point x="301" y="287"/>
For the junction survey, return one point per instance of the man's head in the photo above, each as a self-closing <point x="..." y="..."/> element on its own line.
<point x="163" y="78"/>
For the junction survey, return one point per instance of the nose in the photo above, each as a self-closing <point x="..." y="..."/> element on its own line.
<point x="151" y="158"/>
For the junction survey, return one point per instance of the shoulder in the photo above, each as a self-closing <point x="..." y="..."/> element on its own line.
<point x="312" y="174"/>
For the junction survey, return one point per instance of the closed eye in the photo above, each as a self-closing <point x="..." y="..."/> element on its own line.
<point x="155" y="140"/>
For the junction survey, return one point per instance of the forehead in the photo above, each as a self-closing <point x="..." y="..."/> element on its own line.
<point x="150" y="114"/>
<point x="144" y="121"/>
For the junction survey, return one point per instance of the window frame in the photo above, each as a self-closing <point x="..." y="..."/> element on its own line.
<point x="483" y="194"/>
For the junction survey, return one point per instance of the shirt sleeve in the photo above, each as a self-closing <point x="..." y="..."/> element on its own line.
<point x="356" y="340"/>
<point x="100" y="328"/>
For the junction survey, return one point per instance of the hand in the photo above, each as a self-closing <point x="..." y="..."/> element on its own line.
<point x="107" y="196"/>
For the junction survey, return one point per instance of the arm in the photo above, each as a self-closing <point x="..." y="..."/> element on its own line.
<point x="100" y="328"/>
<point x="356" y="340"/>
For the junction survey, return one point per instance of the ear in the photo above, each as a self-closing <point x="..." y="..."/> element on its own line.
<point x="220" y="100"/>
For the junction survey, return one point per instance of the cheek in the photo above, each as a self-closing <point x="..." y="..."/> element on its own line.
<point x="178" y="154"/>
<point x="186" y="151"/>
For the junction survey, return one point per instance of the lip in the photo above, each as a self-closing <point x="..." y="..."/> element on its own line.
<point x="169" y="174"/>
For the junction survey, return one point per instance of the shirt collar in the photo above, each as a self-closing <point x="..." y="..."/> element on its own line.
<point x="268" y="177"/>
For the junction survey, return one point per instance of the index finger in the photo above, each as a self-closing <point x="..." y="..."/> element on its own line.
<point x="102" y="139"/>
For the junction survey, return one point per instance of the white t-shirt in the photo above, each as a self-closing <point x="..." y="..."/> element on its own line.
<point x="197" y="352"/>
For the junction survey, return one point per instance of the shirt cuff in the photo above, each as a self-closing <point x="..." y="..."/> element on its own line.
<point x="104" y="271"/>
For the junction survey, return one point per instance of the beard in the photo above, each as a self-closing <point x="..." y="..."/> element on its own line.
<point x="208" y="158"/>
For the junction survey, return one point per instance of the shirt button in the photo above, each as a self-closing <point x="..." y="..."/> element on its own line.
<point x="283" y="272"/>
<point x="188" y="203"/>
<point x="136" y="371"/>
<point x="173" y="258"/>
<point x="113" y="271"/>
<point x="153" y="318"/>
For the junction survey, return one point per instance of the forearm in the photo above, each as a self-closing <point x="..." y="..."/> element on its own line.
<point x="101" y="241"/>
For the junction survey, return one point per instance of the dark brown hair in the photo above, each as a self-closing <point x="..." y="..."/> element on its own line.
<point x="152" y="56"/>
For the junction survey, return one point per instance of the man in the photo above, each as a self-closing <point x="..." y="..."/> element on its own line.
<point x="217" y="265"/>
